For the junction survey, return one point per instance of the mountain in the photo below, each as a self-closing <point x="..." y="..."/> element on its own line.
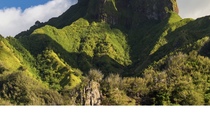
<point x="114" y="12"/>
<point x="109" y="52"/>
<point x="116" y="18"/>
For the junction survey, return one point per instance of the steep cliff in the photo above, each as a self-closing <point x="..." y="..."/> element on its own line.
<point x="123" y="13"/>
<point x="127" y="12"/>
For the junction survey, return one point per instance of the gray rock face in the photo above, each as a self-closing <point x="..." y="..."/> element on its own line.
<point x="154" y="9"/>
<point x="92" y="94"/>
<point x="127" y="12"/>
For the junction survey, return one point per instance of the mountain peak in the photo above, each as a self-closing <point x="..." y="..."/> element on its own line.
<point x="128" y="11"/>
<point x="123" y="13"/>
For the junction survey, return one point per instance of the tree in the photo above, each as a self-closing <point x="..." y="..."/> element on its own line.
<point x="95" y="75"/>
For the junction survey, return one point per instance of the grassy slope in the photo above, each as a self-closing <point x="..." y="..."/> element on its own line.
<point x="96" y="41"/>
<point x="167" y="37"/>
<point x="21" y="81"/>
<point x="107" y="48"/>
<point x="19" y="75"/>
<point x="15" y="57"/>
<point x="55" y="72"/>
<point x="146" y="46"/>
<point x="7" y="57"/>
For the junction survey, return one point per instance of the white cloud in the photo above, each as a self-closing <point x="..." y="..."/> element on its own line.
<point x="193" y="8"/>
<point x="14" y="20"/>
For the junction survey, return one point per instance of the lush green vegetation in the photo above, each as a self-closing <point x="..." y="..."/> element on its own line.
<point x="85" y="57"/>
<point x="94" y="44"/>
<point x="55" y="72"/>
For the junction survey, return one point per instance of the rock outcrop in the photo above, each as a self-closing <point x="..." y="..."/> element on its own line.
<point x="92" y="94"/>
<point x="154" y="9"/>
<point x="127" y="12"/>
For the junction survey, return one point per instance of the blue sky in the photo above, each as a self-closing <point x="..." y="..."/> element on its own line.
<point x="20" y="15"/>
<point x="21" y="3"/>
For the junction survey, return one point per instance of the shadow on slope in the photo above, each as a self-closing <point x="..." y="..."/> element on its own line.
<point x="37" y="43"/>
<point x="183" y="38"/>
<point x="142" y="40"/>
<point x="181" y="35"/>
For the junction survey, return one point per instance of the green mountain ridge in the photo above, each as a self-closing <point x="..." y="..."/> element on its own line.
<point x="109" y="52"/>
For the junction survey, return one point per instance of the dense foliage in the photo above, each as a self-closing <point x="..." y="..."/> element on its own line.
<point x="94" y="45"/>
<point x="83" y="60"/>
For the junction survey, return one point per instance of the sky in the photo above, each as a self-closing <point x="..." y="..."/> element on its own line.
<point x="21" y="3"/>
<point x="19" y="15"/>
<point x="193" y="8"/>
